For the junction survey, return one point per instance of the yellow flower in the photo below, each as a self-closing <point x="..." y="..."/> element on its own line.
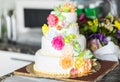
<point x="78" y="62"/>
<point x="67" y="40"/>
<point x="95" y="21"/>
<point x="72" y="36"/>
<point x="45" y="29"/>
<point x="90" y="23"/>
<point x="117" y="24"/>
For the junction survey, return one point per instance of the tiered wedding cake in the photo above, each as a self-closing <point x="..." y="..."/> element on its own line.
<point x="63" y="52"/>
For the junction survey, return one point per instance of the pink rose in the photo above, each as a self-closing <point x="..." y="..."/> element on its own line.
<point x="74" y="72"/>
<point x="58" y="42"/>
<point x="52" y="20"/>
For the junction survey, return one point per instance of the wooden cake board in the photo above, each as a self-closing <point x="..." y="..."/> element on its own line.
<point x="106" y="66"/>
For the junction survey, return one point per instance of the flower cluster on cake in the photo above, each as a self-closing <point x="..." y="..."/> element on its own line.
<point x="103" y="35"/>
<point x="63" y="50"/>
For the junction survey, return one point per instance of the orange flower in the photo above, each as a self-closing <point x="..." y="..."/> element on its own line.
<point x="73" y="9"/>
<point x="87" y="66"/>
<point x="66" y="62"/>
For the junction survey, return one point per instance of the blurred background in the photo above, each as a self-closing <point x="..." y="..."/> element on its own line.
<point x="21" y="20"/>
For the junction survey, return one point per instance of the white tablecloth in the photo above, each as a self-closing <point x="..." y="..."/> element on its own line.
<point x="8" y="65"/>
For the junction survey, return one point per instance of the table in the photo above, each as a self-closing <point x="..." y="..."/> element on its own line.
<point x="113" y="76"/>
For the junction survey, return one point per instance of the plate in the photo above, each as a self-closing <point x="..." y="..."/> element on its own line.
<point x="106" y="66"/>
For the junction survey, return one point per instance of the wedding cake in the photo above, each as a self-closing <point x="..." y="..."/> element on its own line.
<point x="63" y="50"/>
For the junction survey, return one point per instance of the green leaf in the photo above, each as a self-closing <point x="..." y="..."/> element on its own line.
<point x="58" y="13"/>
<point x="77" y="46"/>
<point x="62" y="18"/>
<point x="95" y="64"/>
<point x="88" y="54"/>
<point x="67" y="40"/>
<point x="81" y="54"/>
<point x="56" y="9"/>
<point x="85" y="28"/>
<point x="94" y="28"/>
<point x="95" y="59"/>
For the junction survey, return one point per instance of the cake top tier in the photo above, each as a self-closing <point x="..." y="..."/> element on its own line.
<point x="67" y="7"/>
<point x="61" y="21"/>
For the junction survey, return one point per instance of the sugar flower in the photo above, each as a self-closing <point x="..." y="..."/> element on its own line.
<point x="59" y="27"/>
<point x="76" y="46"/>
<point x="74" y="72"/>
<point x="58" y="42"/>
<point x="45" y="29"/>
<point x="52" y="20"/>
<point x="66" y="61"/>
<point x="63" y="23"/>
<point x="87" y="66"/>
<point x="67" y="7"/>
<point x="69" y="38"/>
<point x="67" y="50"/>
<point x="78" y="62"/>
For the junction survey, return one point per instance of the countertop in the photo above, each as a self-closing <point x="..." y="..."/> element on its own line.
<point x="17" y="47"/>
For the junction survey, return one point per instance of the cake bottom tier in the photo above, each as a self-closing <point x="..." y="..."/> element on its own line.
<point x="49" y="64"/>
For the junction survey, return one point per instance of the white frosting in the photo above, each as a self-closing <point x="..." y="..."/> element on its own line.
<point x="73" y="29"/>
<point x="49" y="64"/>
<point x="69" y="17"/>
<point x="82" y="41"/>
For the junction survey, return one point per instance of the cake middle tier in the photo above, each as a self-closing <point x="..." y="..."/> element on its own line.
<point x="48" y="49"/>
